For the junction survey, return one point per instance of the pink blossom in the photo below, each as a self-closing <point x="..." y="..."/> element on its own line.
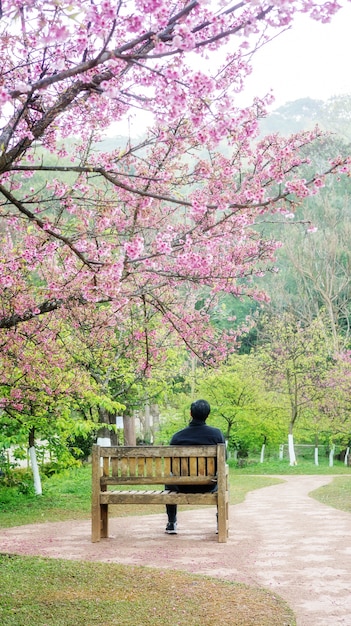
<point x="22" y="87"/>
<point x="134" y="247"/>
<point x="298" y="187"/>
<point x="4" y="96"/>
<point x="7" y="281"/>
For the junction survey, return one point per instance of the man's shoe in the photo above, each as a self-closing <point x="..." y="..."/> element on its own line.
<point x="171" y="528"/>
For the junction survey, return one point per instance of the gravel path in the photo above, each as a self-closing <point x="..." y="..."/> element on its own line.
<point x="280" y="539"/>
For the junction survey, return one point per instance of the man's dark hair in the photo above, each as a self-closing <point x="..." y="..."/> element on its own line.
<point x="200" y="410"/>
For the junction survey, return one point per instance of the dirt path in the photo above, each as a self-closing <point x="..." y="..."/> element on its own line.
<point x="280" y="539"/>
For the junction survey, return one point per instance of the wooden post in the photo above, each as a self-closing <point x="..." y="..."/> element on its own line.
<point x="95" y="500"/>
<point x="222" y="495"/>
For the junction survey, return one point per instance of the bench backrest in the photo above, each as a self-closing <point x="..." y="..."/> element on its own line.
<point x="143" y="465"/>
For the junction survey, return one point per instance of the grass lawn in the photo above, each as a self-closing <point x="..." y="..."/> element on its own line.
<point x="337" y="494"/>
<point x="302" y="467"/>
<point x="51" y="592"/>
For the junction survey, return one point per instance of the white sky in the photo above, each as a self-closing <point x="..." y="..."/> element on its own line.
<point x="310" y="60"/>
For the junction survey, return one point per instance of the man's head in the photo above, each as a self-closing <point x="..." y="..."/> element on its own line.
<point x="200" y="410"/>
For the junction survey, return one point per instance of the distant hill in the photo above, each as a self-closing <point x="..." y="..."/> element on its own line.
<point x="332" y="115"/>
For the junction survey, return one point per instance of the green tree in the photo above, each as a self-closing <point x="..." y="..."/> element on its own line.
<point x="315" y="270"/>
<point x="295" y="360"/>
<point x="241" y="405"/>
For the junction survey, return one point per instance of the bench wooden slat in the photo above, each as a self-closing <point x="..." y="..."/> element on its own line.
<point x="158" y="466"/>
<point x="167" y="466"/>
<point x="124" y="466"/>
<point x="201" y="466"/>
<point x="132" y="466"/>
<point x="141" y="466"/>
<point x="157" y="451"/>
<point x="211" y="469"/>
<point x="175" y="466"/>
<point x="149" y="467"/>
<point x="114" y="467"/>
<point x="184" y="466"/>
<point x="157" y="497"/>
<point x="105" y="466"/>
<point x="193" y="466"/>
<point x="158" y="480"/>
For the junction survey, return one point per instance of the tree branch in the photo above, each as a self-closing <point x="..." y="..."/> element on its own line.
<point x="8" y="195"/>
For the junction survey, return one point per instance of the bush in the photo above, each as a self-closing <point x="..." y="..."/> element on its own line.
<point x="21" y="479"/>
<point x="80" y="445"/>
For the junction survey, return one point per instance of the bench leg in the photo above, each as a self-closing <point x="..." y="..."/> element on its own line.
<point x="104" y="520"/>
<point x="99" y="523"/>
<point x="95" y="524"/>
<point x="222" y="524"/>
<point x="223" y="517"/>
<point x="95" y="499"/>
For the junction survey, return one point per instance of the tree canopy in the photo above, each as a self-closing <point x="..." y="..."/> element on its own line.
<point x="118" y="248"/>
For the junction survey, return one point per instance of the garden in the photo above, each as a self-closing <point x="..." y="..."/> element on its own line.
<point x="160" y="242"/>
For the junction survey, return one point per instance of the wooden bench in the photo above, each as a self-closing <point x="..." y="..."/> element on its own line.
<point x="123" y="466"/>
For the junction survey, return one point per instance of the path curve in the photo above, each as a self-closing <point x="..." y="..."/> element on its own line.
<point x="280" y="539"/>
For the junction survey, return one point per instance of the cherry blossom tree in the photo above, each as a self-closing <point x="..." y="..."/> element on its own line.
<point x="139" y="231"/>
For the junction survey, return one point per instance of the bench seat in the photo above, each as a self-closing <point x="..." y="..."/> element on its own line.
<point x="156" y="497"/>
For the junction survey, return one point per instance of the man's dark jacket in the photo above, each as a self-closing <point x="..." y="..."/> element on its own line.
<point x="198" y="434"/>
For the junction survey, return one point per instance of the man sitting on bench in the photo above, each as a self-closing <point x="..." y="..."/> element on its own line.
<point x="197" y="434"/>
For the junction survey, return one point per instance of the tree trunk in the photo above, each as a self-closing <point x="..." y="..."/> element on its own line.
<point x="316" y="462"/>
<point x="129" y="430"/>
<point x="263" y="449"/>
<point x="316" y="451"/>
<point x="292" y="457"/>
<point x="154" y="421"/>
<point x="155" y="411"/>
<point x="331" y="456"/>
<point x="347" y="455"/>
<point x="103" y="436"/>
<point x="147" y="424"/>
<point x="34" y="463"/>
